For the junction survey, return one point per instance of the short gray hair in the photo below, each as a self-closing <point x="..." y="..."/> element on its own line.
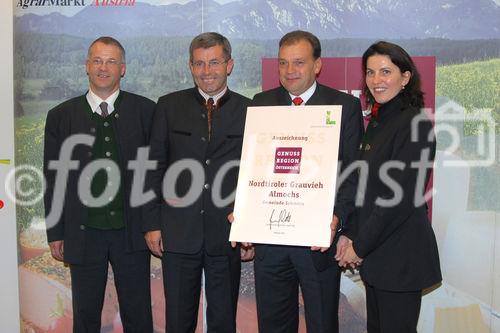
<point x="108" y="41"/>
<point x="210" y="39"/>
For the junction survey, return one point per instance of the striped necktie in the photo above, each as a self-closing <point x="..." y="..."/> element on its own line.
<point x="210" y="109"/>
<point x="104" y="109"/>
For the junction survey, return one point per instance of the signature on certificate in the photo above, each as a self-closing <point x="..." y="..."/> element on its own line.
<point x="279" y="218"/>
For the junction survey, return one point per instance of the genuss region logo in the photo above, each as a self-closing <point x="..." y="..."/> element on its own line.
<point x="24" y="4"/>
<point x="287" y="159"/>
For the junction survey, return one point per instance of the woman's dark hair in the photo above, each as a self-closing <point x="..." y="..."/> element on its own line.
<point x="412" y="93"/>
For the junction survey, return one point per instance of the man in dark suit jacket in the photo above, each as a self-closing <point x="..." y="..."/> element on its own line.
<point x="95" y="227"/>
<point x="279" y="270"/>
<point x="199" y="133"/>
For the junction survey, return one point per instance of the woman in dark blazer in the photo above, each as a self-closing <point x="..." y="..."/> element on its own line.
<point x="393" y="241"/>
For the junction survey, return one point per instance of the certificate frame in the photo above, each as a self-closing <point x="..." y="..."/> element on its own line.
<point x="287" y="177"/>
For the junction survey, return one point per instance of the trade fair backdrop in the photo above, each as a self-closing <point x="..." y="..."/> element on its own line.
<point x="460" y="38"/>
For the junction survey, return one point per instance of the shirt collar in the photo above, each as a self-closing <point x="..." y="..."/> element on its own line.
<point x="95" y="101"/>
<point x="215" y="97"/>
<point x="306" y="95"/>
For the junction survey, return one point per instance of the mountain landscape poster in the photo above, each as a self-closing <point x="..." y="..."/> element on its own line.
<point x="51" y="40"/>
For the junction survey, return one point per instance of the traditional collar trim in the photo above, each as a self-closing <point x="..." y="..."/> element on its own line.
<point x="95" y="101"/>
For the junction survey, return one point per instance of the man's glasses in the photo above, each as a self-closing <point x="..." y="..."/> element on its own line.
<point x="110" y="62"/>
<point x="211" y="64"/>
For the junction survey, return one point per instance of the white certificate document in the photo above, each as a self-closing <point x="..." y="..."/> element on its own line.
<point x="287" y="178"/>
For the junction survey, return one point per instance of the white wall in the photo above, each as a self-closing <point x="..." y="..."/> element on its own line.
<point x="9" y="299"/>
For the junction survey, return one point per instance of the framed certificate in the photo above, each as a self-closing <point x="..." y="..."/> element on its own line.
<point x="287" y="178"/>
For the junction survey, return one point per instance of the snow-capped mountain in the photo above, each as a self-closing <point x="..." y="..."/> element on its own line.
<point x="270" y="19"/>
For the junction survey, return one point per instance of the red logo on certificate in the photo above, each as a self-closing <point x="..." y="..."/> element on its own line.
<point x="287" y="159"/>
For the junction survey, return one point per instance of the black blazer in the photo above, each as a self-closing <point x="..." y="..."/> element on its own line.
<point x="397" y="242"/>
<point x="180" y="132"/>
<point x="350" y="136"/>
<point x="132" y="130"/>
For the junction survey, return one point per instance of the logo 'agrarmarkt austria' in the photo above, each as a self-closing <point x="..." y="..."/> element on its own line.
<point x="73" y="3"/>
<point x="329" y="121"/>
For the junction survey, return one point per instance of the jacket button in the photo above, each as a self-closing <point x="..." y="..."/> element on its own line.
<point x="207" y="162"/>
<point x="203" y="139"/>
<point x="206" y="186"/>
<point x="82" y="227"/>
<point x="202" y="212"/>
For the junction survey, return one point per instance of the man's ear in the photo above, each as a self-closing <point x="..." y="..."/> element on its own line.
<point x="123" y="70"/>
<point x="317" y="66"/>
<point x="230" y="65"/>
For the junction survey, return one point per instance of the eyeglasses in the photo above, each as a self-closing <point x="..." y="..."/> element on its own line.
<point x="99" y="62"/>
<point x="211" y="64"/>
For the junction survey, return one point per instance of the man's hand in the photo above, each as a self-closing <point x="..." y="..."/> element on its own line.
<point x="57" y="249"/>
<point x="247" y="252"/>
<point x="155" y="244"/>
<point x="333" y="230"/>
<point x="230" y="218"/>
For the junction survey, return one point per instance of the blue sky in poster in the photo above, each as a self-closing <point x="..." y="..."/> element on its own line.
<point x="264" y="19"/>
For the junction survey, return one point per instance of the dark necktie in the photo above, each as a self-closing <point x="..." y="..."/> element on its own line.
<point x="297" y="100"/>
<point x="210" y="108"/>
<point x="104" y="109"/>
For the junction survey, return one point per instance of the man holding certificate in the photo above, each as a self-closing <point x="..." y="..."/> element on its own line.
<point x="280" y="269"/>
